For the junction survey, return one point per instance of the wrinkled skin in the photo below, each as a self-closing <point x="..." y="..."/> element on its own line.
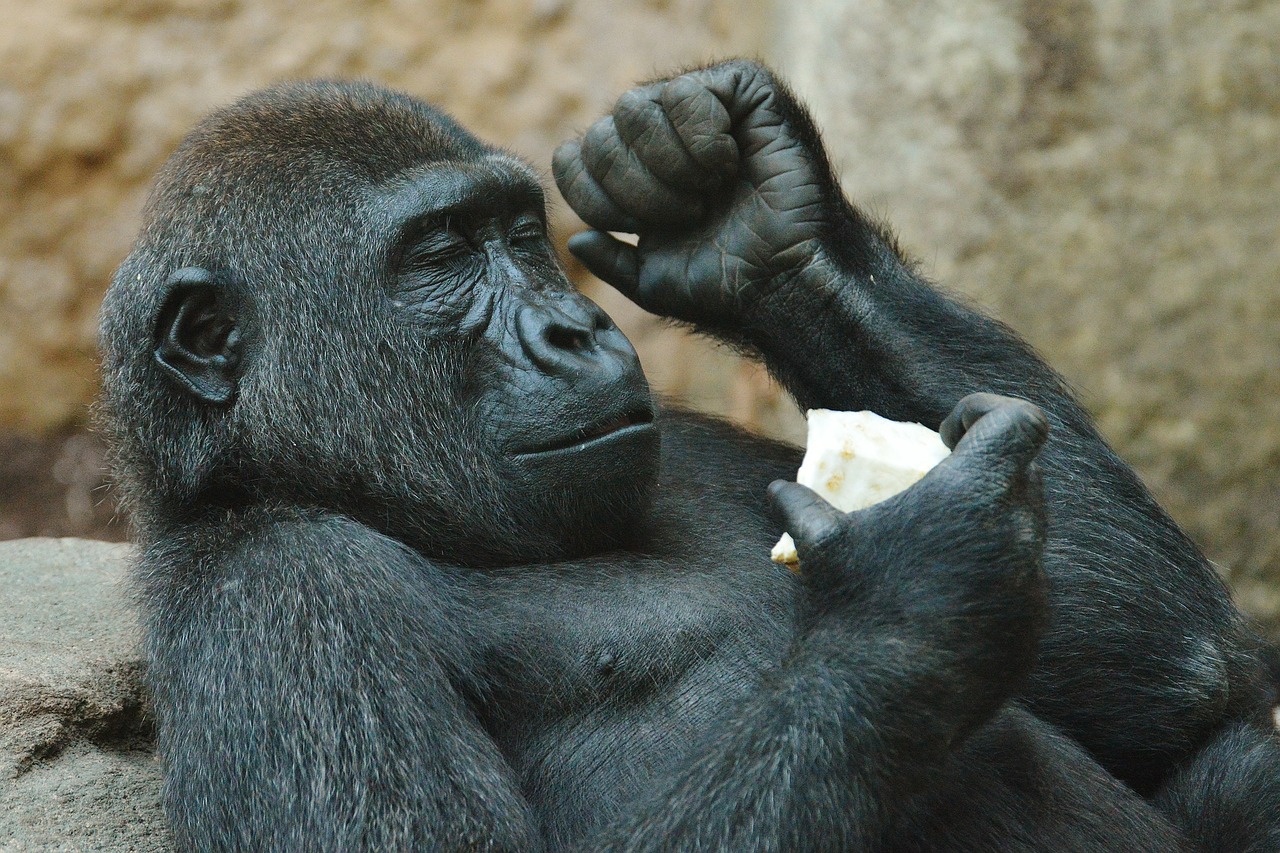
<point x="729" y="203"/>
<point x="424" y="566"/>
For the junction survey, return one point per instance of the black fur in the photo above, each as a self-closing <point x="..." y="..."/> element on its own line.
<point x="424" y="566"/>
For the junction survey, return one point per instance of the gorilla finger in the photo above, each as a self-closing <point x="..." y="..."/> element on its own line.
<point x="584" y="195"/>
<point x="635" y="189"/>
<point x="645" y="128"/>
<point x="702" y="123"/>
<point x="608" y="259"/>
<point x="965" y="413"/>
<point x="804" y="514"/>
<point x="1002" y="432"/>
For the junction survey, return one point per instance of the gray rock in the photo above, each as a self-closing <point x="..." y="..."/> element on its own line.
<point x="77" y="765"/>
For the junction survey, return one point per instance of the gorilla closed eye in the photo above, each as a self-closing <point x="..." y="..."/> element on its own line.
<point x="445" y="236"/>
<point x="527" y="228"/>
<point x="434" y="240"/>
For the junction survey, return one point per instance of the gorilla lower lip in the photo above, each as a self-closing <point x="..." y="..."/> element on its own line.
<point x="630" y="422"/>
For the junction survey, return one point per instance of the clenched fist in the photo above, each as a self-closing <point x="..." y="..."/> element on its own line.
<point x="720" y="173"/>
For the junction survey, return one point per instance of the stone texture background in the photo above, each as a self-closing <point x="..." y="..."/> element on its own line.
<point x="1102" y="174"/>
<point x="77" y="765"/>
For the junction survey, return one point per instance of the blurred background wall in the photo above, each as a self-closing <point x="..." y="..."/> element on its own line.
<point x="1104" y="175"/>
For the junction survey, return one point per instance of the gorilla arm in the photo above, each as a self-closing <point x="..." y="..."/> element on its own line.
<point x="745" y="233"/>
<point x="919" y="616"/>
<point x="303" y="669"/>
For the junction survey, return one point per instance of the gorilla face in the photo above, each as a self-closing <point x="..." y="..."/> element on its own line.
<point x="379" y="329"/>
<point x="561" y="384"/>
<point x="560" y="412"/>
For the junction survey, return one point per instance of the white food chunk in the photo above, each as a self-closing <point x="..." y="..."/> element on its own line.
<point x="856" y="459"/>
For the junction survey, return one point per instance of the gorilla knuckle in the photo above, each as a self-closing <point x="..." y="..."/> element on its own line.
<point x="821" y="533"/>
<point x="1027" y="416"/>
<point x="566" y="166"/>
<point x="602" y="147"/>
<point x="635" y="104"/>
<point x="744" y="71"/>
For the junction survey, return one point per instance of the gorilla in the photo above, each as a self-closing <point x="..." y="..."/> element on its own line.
<point x="424" y="565"/>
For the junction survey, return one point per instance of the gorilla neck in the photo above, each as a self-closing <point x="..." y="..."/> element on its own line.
<point x="573" y="524"/>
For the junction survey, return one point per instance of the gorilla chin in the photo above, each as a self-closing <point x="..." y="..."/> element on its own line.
<point x="604" y="475"/>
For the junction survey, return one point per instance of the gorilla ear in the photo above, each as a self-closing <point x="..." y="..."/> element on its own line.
<point x="197" y="339"/>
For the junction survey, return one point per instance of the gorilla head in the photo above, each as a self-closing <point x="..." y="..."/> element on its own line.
<point x="342" y="299"/>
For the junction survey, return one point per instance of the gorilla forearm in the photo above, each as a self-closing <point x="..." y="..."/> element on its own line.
<point x="860" y="330"/>
<point x="863" y="331"/>
<point x="1216" y="796"/>
<point x="823" y="736"/>
<point x="830" y="785"/>
<point x="982" y="797"/>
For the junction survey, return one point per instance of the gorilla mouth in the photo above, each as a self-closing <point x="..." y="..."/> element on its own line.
<point x="635" y="420"/>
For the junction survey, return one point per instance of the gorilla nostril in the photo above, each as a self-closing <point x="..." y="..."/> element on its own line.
<point x="565" y="338"/>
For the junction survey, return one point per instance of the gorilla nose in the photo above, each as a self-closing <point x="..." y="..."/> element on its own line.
<point x="569" y="334"/>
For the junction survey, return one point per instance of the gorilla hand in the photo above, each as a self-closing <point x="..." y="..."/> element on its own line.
<point x="720" y="173"/>
<point x="949" y="569"/>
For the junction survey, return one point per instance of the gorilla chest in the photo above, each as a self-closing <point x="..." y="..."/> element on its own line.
<point x="597" y="681"/>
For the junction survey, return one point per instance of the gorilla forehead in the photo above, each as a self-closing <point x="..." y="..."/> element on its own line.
<point x="267" y="188"/>
<point x="366" y="129"/>
<point x="493" y="185"/>
<point x="304" y="154"/>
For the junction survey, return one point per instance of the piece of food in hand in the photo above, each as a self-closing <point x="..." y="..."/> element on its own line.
<point x="856" y="459"/>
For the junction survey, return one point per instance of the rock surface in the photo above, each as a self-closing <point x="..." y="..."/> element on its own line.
<point x="77" y="768"/>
